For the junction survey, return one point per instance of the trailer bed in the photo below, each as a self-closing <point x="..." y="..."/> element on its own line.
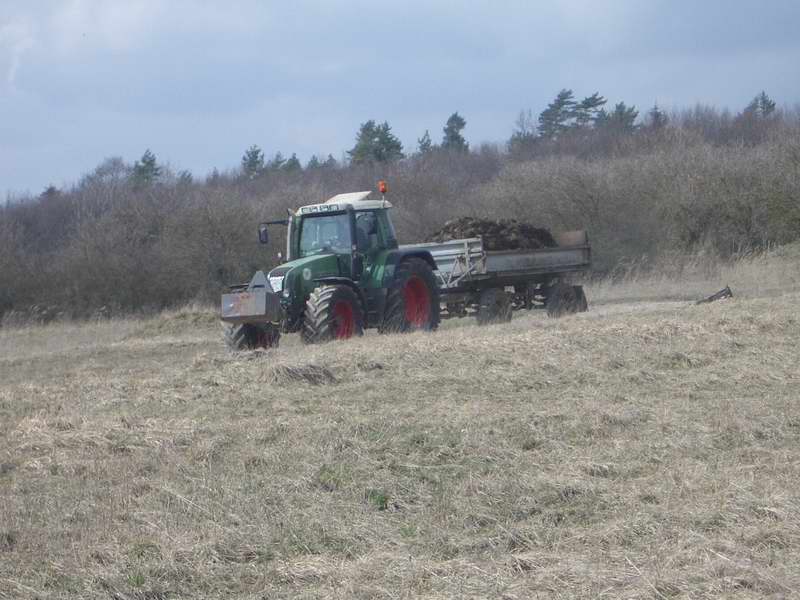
<point x="465" y="263"/>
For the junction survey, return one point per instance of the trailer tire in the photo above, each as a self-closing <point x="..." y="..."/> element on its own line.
<point x="249" y="336"/>
<point x="494" y="306"/>
<point x="583" y="303"/>
<point x="333" y="312"/>
<point x="412" y="301"/>
<point x="562" y="299"/>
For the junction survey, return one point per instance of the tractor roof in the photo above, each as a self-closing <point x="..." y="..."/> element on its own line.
<point x="354" y="200"/>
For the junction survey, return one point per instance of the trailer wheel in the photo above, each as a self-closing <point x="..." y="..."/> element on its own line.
<point x="412" y="301"/>
<point x="333" y="312"/>
<point x="583" y="303"/>
<point x="494" y="306"/>
<point x="562" y="299"/>
<point x="250" y="336"/>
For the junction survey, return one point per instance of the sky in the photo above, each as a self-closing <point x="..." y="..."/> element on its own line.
<point x="198" y="82"/>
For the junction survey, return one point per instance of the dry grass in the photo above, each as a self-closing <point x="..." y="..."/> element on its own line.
<point x="770" y="273"/>
<point x="636" y="451"/>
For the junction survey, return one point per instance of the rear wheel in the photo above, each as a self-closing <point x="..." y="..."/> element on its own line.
<point x="562" y="299"/>
<point x="494" y="306"/>
<point x="333" y="312"/>
<point x="250" y="336"/>
<point x="412" y="301"/>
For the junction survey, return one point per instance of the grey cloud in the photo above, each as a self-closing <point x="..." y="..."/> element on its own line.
<point x="199" y="82"/>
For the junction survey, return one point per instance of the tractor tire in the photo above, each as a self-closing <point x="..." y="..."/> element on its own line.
<point x="249" y="336"/>
<point x="412" y="301"/>
<point x="494" y="306"/>
<point x="333" y="312"/>
<point x="562" y="299"/>
<point x="583" y="303"/>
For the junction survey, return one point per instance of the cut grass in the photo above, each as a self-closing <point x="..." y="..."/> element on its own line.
<point x="637" y="451"/>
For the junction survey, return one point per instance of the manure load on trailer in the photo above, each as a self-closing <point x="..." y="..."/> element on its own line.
<point x="345" y="272"/>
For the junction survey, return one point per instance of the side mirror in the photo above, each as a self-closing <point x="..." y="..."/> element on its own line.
<point x="263" y="234"/>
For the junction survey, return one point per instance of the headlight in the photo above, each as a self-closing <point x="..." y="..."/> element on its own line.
<point x="276" y="283"/>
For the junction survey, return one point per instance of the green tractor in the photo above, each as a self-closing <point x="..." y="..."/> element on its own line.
<point x="344" y="273"/>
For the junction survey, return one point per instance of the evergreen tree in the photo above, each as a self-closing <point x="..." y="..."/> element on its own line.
<point x="586" y="110"/>
<point x="330" y="163"/>
<point x="276" y="162"/>
<point x="554" y="120"/>
<point x="293" y="164"/>
<point x="185" y="178"/>
<point x="252" y="162"/>
<point x="51" y="192"/>
<point x="214" y="179"/>
<point x="761" y="106"/>
<point x="657" y="118"/>
<point x="375" y="143"/>
<point x="145" y="171"/>
<point x="453" y="140"/>
<point x="424" y="144"/>
<point x="313" y="163"/>
<point x="622" y="119"/>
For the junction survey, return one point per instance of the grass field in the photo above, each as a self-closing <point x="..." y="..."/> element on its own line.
<point x="641" y="450"/>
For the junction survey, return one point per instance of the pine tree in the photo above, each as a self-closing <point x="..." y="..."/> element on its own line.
<point x="424" y="144"/>
<point x="375" y="143"/>
<point x="276" y="162"/>
<point x="252" y="162"/>
<point x="453" y="140"/>
<point x="214" y="179"/>
<point x="185" y="178"/>
<point x="761" y="106"/>
<point x="657" y="118"/>
<point x="554" y="120"/>
<point x="586" y="110"/>
<point x="313" y="163"/>
<point x="622" y="119"/>
<point x="145" y="171"/>
<point x="292" y="164"/>
<point x="330" y="163"/>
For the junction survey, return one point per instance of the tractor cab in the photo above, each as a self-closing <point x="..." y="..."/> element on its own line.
<point x="346" y="225"/>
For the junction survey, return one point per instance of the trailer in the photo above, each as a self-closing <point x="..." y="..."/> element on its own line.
<point x="492" y="284"/>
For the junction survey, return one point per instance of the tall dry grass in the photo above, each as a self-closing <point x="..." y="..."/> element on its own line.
<point x="772" y="272"/>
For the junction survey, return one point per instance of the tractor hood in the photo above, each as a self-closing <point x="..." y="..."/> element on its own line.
<point x="296" y="278"/>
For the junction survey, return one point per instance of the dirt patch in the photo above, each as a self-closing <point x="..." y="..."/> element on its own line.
<point x="503" y="234"/>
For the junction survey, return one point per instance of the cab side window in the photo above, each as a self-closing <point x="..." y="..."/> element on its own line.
<point x="367" y="231"/>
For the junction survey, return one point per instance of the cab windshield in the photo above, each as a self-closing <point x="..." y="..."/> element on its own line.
<point x="328" y="233"/>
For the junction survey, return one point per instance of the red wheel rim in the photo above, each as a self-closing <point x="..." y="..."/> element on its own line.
<point x="345" y="322"/>
<point x="417" y="302"/>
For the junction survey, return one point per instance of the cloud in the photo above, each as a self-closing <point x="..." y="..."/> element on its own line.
<point x="199" y="81"/>
<point x="16" y="36"/>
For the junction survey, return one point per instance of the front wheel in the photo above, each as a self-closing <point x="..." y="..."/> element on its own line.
<point x="412" y="301"/>
<point x="333" y="312"/>
<point x="249" y="336"/>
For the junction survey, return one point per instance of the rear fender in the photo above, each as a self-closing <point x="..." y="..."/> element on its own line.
<point x="397" y="256"/>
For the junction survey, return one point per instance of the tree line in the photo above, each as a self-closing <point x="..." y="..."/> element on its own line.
<point x="131" y="237"/>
